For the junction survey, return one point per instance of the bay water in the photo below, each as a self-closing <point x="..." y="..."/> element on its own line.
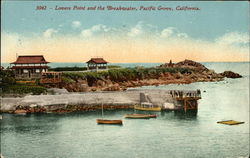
<point x="170" y="135"/>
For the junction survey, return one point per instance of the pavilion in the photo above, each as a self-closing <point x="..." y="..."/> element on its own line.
<point x="96" y="64"/>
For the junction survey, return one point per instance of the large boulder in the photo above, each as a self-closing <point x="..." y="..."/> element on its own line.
<point x="230" y="74"/>
<point x="191" y="65"/>
<point x="187" y="64"/>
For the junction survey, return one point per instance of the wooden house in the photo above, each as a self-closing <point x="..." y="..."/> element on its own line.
<point x="29" y="66"/>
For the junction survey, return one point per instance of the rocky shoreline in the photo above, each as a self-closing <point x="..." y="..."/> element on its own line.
<point x="67" y="109"/>
<point x="199" y="73"/>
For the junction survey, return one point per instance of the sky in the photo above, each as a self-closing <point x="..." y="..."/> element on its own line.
<point x="218" y="31"/>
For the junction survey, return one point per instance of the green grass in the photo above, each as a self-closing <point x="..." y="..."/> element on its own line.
<point x="122" y="74"/>
<point x="68" y="69"/>
<point x="58" y="69"/>
<point x="113" y="66"/>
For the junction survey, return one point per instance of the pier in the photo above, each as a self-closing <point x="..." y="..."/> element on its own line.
<point x="187" y="99"/>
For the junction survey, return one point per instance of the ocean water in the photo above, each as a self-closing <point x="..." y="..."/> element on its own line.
<point x="170" y="135"/>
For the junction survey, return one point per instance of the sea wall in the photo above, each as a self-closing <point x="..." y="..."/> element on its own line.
<point x="85" y="101"/>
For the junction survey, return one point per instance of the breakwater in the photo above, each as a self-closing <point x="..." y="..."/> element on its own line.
<point x="170" y="100"/>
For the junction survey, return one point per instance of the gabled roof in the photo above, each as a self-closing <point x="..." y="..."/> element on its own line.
<point x="97" y="61"/>
<point x="30" y="59"/>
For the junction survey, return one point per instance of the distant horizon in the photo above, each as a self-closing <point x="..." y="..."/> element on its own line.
<point x="84" y="61"/>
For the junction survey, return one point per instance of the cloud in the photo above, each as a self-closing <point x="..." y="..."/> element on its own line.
<point x="142" y="29"/>
<point x="233" y="38"/>
<point x="172" y="32"/>
<point x="137" y="30"/>
<point x="86" y="33"/>
<point x="76" y="24"/>
<point x="182" y="35"/>
<point x="140" y="43"/>
<point x="49" y="32"/>
<point x="167" y="32"/>
<point x="95" y="30"/>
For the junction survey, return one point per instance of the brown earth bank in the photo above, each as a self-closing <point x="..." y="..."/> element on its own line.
<point x="198" y="73"/>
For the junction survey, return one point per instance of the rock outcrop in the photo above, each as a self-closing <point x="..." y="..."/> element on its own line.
<point x="230" y="74"/>
<point x="186" y="64"/>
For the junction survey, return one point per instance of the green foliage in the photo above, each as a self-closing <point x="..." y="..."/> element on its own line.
<point x="58" y="69"/>
<point x="68" y="69"/>
<point x="7" y="77"/>
<point x="23" y="89"/>
<point x="8" y="85"/>
<point x="66" y="80"/>
<point x="113" y="66"/>
<point x="122" y="74"/>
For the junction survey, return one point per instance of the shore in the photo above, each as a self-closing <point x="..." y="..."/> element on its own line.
<point x="88" y="91"/>
<point x="184" y="72"/>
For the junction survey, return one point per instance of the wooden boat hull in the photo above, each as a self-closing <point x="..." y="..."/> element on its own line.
<point x="139" y="116"/>
<point x="148" y="108"/>
<point x="230" y="122"/>
<point x="111" y="122"/>
<point x="20" y="112"/>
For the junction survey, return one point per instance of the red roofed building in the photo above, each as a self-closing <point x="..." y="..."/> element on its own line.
<point x="97" y="63"/>
<point x="30" y="66"/>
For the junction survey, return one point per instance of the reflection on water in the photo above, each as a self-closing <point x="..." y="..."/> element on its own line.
<point x="186" y="115"/>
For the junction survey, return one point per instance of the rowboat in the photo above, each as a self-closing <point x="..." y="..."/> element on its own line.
<point x="230" y="122"/>
<point x="145" y="106"/>
<point x="20" y="112"/>
<point x="108" y="122"/>
<point x="139" y="116"/>
<point x="111" y="122"/>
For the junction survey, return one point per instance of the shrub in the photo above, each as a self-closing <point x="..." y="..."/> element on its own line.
<point x="68" y="69"/>
<point x="7" y="77"/>
<point x="113" y="66"/>
<point x="123" y="74"/>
